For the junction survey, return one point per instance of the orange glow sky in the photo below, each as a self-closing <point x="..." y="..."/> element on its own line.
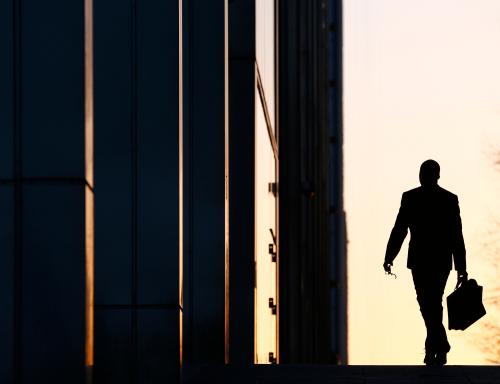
<point x="421" y="80"/>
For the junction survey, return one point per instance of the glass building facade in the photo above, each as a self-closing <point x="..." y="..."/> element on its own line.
<point x="170" y="188"/>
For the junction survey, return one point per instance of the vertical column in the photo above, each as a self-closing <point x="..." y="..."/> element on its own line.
<point x="42" y="191"/>
<point x="206" y="242"/>
<point x="114" y="358"/>
<point x="338" y="241"/>
<point x="137" y="174"/>
<point x="305" y="310"/>
<point x="157" y="190"/>
<point x="242" y="90"/>
<point x="7" y="346"/>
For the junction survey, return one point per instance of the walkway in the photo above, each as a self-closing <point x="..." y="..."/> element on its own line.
<point x="314" y="374"/>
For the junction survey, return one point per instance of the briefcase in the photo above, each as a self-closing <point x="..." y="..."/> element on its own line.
<point x="465" y="305"/>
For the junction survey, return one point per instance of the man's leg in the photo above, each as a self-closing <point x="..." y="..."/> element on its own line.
<point x="440" y="340"/>
<point x="429" y="286"/>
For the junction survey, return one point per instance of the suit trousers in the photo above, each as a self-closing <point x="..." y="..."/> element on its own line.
<point x="429" y="286"/>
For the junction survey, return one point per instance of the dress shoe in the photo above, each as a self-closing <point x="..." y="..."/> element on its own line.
<point x="430" y="358"/>
<point x="440" y="358"/>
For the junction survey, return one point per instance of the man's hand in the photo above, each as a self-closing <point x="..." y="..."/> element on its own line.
<point x="387" y="267"/>
<point x="461" y="278"/>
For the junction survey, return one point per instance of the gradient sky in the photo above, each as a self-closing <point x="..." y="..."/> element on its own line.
<point x="421" y="80"/>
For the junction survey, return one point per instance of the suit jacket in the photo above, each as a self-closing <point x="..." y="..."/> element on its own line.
<point x="433" y="216"/>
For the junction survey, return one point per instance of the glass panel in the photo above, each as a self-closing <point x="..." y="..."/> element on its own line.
<point x="52" y="88"/>
<point x="158" y="153"/>
<point x="264" y="51"/>
<point x="265" y="227"/>
<point x="114" y="353"/>
<point x="112" y="145"/>
<point x="53" y="282"/>
<point x="158" y="346"/>
<point x="6" y="282"/>
<point x="6" y="90"/>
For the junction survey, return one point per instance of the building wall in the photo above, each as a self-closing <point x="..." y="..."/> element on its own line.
<point x="144" y="157"/>
<point x="137" y="309"/>
<point x="45" y="192"/>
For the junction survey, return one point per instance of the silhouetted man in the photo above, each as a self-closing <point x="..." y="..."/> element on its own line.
<point x="433" y="216"/>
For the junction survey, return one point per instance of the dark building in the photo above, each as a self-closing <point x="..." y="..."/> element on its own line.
<point x="170" y="188"/>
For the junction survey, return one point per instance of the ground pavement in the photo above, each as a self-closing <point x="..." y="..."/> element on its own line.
<point x="353" y="374"/>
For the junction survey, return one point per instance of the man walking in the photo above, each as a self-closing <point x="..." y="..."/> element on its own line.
<point x="433" y="216"/>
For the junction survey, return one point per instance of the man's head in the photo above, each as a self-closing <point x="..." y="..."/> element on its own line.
<point x="429" y="173"/>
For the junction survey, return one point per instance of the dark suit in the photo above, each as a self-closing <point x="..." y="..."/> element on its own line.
<point x="433" y="216"/>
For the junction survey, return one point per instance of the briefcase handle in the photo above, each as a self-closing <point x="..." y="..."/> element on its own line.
<point x="460" y="282"/>
<point x="469" y="282"/>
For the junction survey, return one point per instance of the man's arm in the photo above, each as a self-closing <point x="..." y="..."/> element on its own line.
<point x="398" y="233"/>
<point x="458" y="241"/>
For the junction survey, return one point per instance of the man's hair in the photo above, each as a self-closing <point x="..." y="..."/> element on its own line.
<point x="429" y="172"/>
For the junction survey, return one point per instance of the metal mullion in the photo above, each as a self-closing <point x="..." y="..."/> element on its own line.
<point x="263" y="101"/>
<point x="18" y="222"/>
<point x="134" y="188"/>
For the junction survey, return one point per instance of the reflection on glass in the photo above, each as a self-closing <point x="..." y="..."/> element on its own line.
<point x="265" y="227"/>
<point x="89" y="277"/>
<point x="89" y="195"/>
<point x="265" y="51"/>
<point x="266" y="299"/>
<point x="89" y="94"/>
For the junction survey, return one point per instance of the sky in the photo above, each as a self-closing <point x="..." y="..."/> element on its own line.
<point x="421" y="81"/>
